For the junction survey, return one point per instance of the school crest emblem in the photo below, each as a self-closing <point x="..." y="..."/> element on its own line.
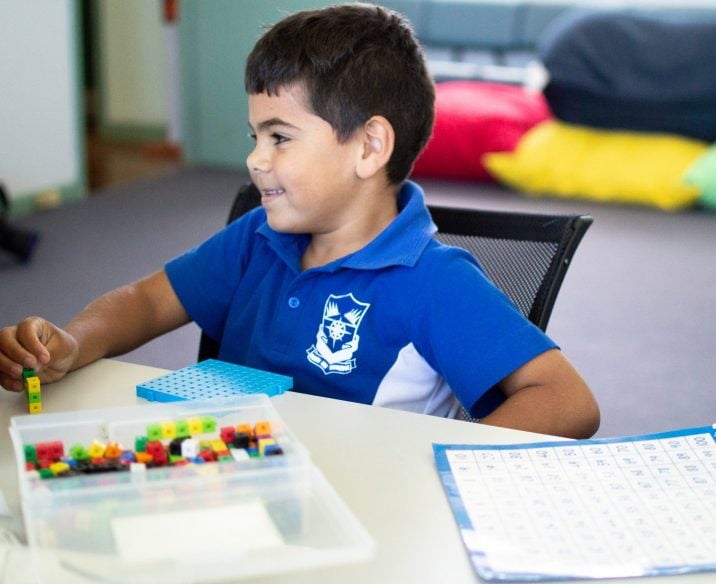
<point x="337" y="337"/>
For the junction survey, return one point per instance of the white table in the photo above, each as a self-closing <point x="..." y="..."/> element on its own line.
<point x="380" y="461"/>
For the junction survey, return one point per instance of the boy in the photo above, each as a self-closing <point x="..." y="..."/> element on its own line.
<point x="336" y="279"/>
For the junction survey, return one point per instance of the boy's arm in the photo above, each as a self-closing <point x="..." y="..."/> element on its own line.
<point x="114" y="323"/>
<point x="547" y="395"/>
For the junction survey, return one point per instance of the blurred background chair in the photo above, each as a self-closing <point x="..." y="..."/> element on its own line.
<point x="17" y="242"/>
<point x="246" y="199"/>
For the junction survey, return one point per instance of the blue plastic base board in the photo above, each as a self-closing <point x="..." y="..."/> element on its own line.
<point x="212" y="378"/>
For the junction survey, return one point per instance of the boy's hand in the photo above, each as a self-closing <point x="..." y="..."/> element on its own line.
<point x="37" y="344"/>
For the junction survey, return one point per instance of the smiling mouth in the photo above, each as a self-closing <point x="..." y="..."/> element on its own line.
<point x="271" y="193"/>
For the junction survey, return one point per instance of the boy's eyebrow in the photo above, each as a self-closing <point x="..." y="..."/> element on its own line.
<point x="271" y="122"/>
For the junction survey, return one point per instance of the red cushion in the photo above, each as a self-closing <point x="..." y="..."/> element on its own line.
<point x="473" y="118"/>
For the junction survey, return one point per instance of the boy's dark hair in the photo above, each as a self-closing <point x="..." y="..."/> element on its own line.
<point x="354" y="61"/>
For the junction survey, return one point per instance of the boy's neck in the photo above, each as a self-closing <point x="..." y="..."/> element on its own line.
<point x="326" y="248"/>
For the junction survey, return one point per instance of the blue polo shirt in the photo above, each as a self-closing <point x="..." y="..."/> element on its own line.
<point x="405" y="322"/>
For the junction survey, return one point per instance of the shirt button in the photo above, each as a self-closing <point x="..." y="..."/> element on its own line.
<point x="293" y="302"/>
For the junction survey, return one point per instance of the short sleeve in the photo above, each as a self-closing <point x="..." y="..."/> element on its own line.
<point x="205" y="277"/>
<point x="471" y="333"/>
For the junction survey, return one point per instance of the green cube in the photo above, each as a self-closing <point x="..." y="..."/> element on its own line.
<point x="30" y="453"/>
<point x="154" y="432"/>
<point x="34" y="397"/>
<point x="46" y="473"/>
<point x="182" y="427"/>
<point x="79" y="452"/>
<point x="140" y="443"/>
<point x="208" y="424"/>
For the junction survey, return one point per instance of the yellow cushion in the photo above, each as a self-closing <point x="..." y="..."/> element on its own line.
<point x="605" y="165"/>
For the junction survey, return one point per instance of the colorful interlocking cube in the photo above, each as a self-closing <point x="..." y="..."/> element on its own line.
<point x="33" y="393"/>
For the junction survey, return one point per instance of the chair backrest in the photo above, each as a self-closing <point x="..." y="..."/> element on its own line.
<point x="525" y="254"/>
<point x="246" y="199"/>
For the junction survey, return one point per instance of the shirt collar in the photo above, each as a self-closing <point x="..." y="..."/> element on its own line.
<point x="400" y="243"/>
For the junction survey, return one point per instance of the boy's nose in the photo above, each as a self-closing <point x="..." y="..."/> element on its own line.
<point x="256" y="162"/>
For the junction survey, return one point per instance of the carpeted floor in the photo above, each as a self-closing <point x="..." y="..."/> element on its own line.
<point x="636" y="313"/>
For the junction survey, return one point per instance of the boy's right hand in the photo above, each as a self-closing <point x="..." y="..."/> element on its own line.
<point x="37" y="344"/>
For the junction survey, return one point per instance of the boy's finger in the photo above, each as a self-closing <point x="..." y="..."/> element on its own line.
<point x="32" y="334"/>
<point x="9" y="368"/>
<point x="12" y="354"/>
<point x="10" y="383"/>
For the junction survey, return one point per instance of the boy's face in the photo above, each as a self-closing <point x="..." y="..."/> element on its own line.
<point x="307" y="178"/>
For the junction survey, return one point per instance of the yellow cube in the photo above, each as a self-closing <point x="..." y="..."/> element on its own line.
<point x="195" y="426"/>
<point x="59" y="467"/>
<point x="263" y="443"/>
<point x="96" y="449"/>
<point x="32" y="383"/>
<point x="218" y="445"/>
<point x="169" y="429"/>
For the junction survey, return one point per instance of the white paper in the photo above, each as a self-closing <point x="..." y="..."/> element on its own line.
<point x="233" y="529"/>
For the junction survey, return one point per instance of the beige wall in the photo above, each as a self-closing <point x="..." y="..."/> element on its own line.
<point x="38" y="101"/>
<point x="132" y="63"/>
<point x="41" y="106"/>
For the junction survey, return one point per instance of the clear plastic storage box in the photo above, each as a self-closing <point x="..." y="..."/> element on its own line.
<point x="185" y="522"/>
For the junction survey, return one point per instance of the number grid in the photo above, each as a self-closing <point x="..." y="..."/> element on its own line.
<point x="594" y="508"/>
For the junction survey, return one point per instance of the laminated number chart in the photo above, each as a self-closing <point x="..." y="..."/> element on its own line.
<point x="604" y="508"/>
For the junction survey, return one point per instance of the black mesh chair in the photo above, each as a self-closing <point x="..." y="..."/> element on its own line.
<point x="20" y="243"/>
<point x="525" y="254"/>
<point x="247" y="198"/>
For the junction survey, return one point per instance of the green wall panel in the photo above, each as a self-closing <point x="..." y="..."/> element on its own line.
<point x="216" y="39"/>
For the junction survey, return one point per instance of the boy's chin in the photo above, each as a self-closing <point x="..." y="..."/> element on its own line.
<point x="283" y="226"/>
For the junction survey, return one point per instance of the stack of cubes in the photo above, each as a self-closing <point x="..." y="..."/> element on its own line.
<point x="31" y="383"/>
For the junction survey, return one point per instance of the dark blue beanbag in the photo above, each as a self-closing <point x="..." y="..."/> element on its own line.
<point x="651" y="71"/>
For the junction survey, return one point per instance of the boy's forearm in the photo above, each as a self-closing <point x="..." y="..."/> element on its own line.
<point x="125" y="319"/>
<point x="547" y="395"/>
<point x="106" y="327"/>
<point x="572" y="414"/>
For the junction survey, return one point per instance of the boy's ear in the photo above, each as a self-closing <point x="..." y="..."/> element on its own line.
<point x="377" y="146"/>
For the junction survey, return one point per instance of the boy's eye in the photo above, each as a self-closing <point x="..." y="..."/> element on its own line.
<point x="279" y="138"/>
<point x="252" y="136"/>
